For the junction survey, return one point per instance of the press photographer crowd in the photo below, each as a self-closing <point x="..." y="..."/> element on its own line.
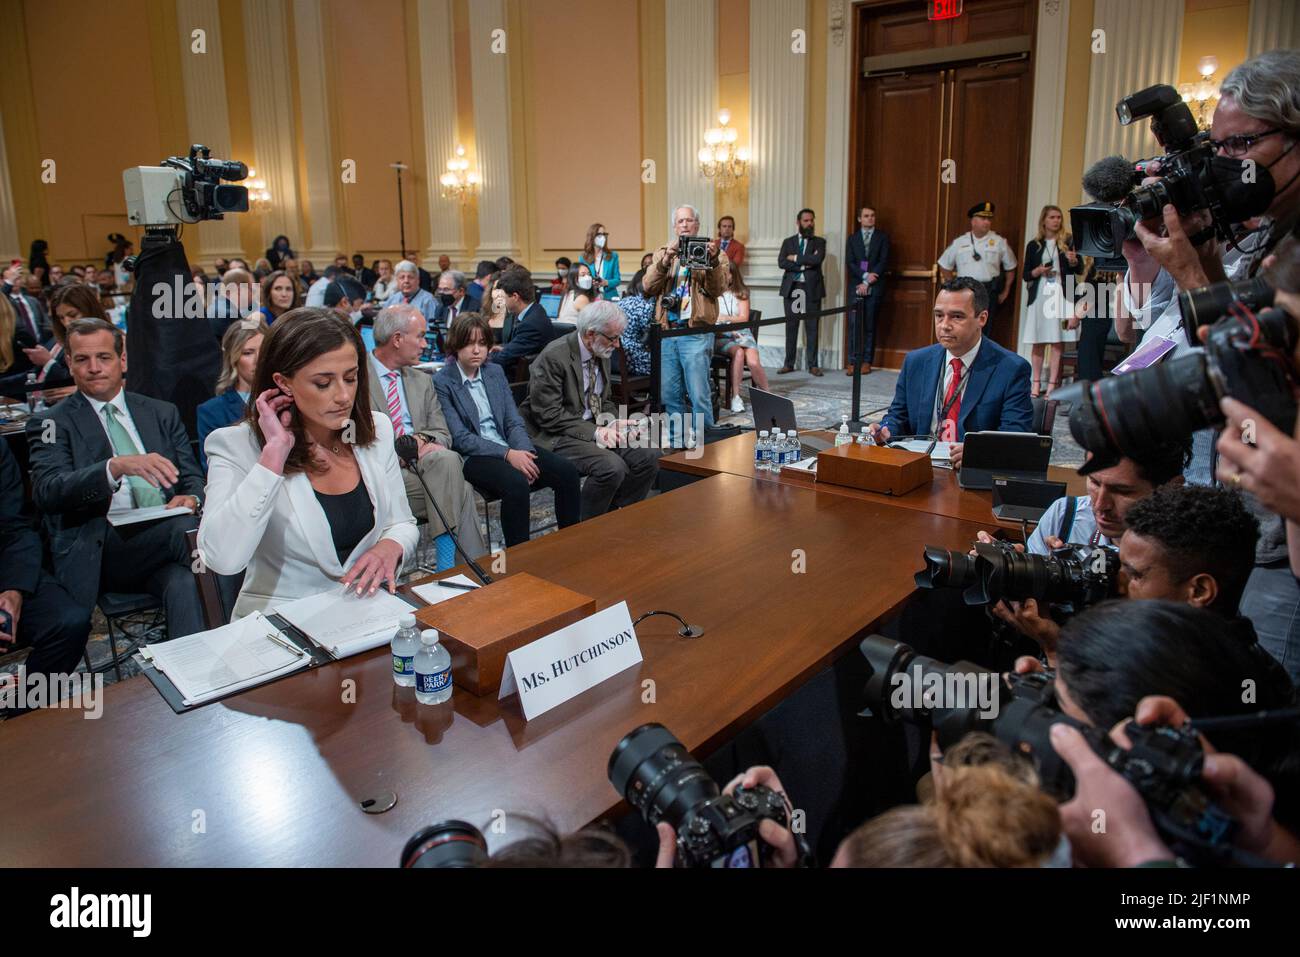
<point x="1116" y="689"/>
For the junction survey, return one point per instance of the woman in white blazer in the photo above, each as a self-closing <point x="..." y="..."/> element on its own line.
<point x="306" y="492"/>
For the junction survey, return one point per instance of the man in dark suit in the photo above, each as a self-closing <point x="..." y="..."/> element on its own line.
<point x="803" y="290"/>
<point x="453" y="299"/>
<point x="103" y="449"/>
<point x="569" y="411"/>
<point x="867" y="259"/>
<point x="31" y="324"/>
<point x="964" y="382"/>
<point x="43" y="614"/>
<point x="528" y="329"/>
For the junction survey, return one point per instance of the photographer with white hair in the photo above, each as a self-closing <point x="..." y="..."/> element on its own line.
<point x="686" y="296"/>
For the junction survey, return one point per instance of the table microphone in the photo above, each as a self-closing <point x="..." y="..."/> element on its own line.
<point x="408" y="452"/>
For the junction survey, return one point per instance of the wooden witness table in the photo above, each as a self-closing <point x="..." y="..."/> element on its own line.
<point x="943" y="496"/>
<point x="278" y="771"/>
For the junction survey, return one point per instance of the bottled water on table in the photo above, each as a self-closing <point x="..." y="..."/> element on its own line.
<point x="762" y="451"/>
<point x="432" y="670"/>
<point x="864" y="437"/>
<point x="793" y="451"/>
<point x="405" y="644"/>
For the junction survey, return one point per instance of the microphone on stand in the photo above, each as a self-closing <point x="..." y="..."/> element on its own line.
<point x="408" y="452"/>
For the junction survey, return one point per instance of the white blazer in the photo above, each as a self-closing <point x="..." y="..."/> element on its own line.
<point x="273" y="525"/>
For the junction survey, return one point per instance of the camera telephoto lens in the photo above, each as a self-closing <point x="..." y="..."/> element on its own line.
<point x="446" y="844"/>
<point x="1209" y="304"/>
<point x="945" y="568"/>
<point x="657" y="775"/>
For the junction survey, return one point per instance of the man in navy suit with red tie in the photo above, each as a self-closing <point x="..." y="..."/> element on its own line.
<point x="964" y="382"/>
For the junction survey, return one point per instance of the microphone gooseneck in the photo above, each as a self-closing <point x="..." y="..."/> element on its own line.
<point x="408" y="452"/>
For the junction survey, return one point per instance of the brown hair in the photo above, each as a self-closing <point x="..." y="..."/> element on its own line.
<point x="8" y="321"/>
<point x="461" y="332"/>
<point x="298" y="337"/>
<point x="736" y="282"/>
<point x="268" y="282"/>
<point x="88" y="327"/>
<point x="232" y="344"/>
<point x="983" y="817"/>
<point x="81" y="298"/>
<point x="589" y="247"/>
<point x="546" y="847"/>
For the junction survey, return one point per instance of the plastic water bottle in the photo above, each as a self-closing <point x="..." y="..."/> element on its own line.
<point x="864" y="437"/>
<point x="432" y="670"/>
<point x="405" y="644"/>
<point x="842" y="437"/>
<point x="778" y="451"/>
<point x="35" y="396"/>
<point x="793" y="452"/>
<point x="762" y="451"/>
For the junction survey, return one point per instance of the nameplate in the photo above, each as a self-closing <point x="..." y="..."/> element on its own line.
<point x="565" y="663"/>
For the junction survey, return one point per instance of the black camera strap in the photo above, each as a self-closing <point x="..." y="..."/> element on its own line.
<point x="1067" y="520"/>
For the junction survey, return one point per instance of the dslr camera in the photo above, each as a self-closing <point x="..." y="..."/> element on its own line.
<point x="1075" y="575"/>
<point x="657" y="775"/>
<point x="1248" y="355"/>
<point x="1164" y="764"/>
<point x="1192" y="178"/>
<point x="184" y="189"/>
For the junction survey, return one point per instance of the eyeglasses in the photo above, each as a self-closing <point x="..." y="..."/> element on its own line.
<point x="1236" y="146"/>
<point x="607" y="338"/>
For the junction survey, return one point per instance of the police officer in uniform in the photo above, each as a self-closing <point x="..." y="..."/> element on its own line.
<point x="982" y="255"/>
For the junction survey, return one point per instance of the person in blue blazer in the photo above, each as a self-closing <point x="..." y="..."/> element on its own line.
<point x="239" y="348"/>
<point x="487" y="429"/>
<point x="602" y="261"/>
<point x="932" y="397"/>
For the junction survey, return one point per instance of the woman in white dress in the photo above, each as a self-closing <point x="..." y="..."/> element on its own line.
<point x="1050" y="265"/>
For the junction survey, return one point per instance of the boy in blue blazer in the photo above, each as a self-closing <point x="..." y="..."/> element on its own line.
<point x="964" y="382"/>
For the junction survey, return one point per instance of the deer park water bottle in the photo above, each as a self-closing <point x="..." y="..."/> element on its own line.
<point x="762" y="451"/>
<point x="405" y="644"/>
<point x="432" y="670"/>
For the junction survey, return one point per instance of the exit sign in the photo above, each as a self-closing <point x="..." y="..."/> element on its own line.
<point x="943" y="9"/>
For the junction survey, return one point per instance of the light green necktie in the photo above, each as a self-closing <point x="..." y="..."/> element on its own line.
<point x="142" y="493"/>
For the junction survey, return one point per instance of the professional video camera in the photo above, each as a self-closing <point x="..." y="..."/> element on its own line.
<point x="1074" y="575"/>
<point x="1248" y="356"/>
<point x="657" y="775"/>
<point x="1164" y="764"/>
<point x="1191" y="178"/>
<point x="184" y="190"/>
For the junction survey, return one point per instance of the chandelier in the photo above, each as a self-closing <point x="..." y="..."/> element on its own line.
<point x="1202" y="96"/>
<point x="459" y="182"/>
<point x="259" y="197"/>
<point x="719" y="158"/>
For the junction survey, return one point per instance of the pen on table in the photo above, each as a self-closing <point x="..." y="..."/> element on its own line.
<point x="286" y="646"/>
<point x="461" y="585"/>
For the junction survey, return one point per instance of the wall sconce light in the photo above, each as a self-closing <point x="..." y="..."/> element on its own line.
<point x="259" y="197"/>
<point x="459" y="182"/>
<point x="720" y="160"/>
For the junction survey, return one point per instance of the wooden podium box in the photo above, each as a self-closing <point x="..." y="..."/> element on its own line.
<point x="874" y="468"/>
<point x="482" y="626"/>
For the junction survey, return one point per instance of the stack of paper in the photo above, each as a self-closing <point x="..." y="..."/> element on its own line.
<point x="212" y="664"/>
<point x="433" y="592"/>
<point x="939" y="455"/>
<point x="344" y="623"/>
<point x="131" y="516"/>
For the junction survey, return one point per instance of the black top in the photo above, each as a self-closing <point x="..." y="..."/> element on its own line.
<point x="351" y="517"/>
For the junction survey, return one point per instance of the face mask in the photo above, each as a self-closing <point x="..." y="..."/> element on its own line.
<point x="584" y="282"/>
<point x="563" y="272"/>
<point x="446" y="298"/>
<point x="600" y="242"/>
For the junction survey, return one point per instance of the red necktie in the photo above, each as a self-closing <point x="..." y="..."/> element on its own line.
<point x="948" y="432"/>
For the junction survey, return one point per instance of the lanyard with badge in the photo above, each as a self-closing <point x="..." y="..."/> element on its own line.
<point x="956" y="394"/>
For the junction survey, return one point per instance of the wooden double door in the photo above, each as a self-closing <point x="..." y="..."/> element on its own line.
<point x="929" y="143"/>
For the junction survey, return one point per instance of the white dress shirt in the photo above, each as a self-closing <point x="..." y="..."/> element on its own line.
<point x="945" y="382"/>
<point x="316" y="294"/>
<point x="994" y="254"/>
<point x="121" y="489"/>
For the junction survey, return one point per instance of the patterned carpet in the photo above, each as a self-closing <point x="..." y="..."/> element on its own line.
<point x="817" y="401"/>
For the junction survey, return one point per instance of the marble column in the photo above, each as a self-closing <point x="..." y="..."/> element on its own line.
<point x="208" y="114"/>
<point x="490" y="76"/>
<point x="10" y="247"/>
<point x="691" y="76"/>
<point x="323" y="179"/>
<point x="1142" y="45"/>
<point x="270" y="97"/>
<point x="438" y="98"/>
<point x="836" y="213"/>
<point x="777" y="90"/>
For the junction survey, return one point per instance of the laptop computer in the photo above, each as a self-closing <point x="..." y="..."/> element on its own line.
<point x="1023" y="500"/>
<point x="1021" y="455"/>
<point x="550" y="303"/>
<point x="772" y="411"/>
